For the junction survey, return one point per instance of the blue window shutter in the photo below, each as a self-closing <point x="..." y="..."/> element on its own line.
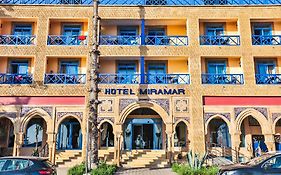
<point x="22" y="29"/>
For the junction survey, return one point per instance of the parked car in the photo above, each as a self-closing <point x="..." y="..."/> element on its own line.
<point x="267" y="164"/>
<point x="26" y="166"/>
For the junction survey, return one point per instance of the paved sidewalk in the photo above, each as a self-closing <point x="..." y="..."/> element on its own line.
<point x="62" y="171"/>
<point x="145" y="171"/>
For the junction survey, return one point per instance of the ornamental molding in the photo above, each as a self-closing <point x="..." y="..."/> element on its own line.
<point x="275" y="116"/>
<point x="27" y="109"/>
<point x="187" y="119"/>
<point x="101" y="119"/>
<point x="11" y="115"/>
<point x="262" y="110"/>
<point x="164" y="103"/>
<point x="208" y="115"/>
<point x="62" y="114"/>
<point x="181" y="105"/>
<point x="123" y="103"/>
<point x="106" y="106"/>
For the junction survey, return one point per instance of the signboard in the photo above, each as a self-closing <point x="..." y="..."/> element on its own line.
<point x="145" y="91"/>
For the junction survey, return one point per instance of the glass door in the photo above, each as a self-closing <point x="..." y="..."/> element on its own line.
<point x="70" y="136"/>
<point x="126" y="73"/>
<point x="156" y="73"/>
<point x="71" y="33"/>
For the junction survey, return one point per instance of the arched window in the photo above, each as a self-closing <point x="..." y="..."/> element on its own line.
<point x="218" y="133"/>
<point x="106" y="135"/>
<point x="180" y="137"/>
<point x="34" y="132"/>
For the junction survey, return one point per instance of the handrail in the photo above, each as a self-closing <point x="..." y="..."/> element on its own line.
<point x="17" y="39"/>
<point x="44" y="151"/>
<point x="147" y="2"/>
<point x="266" y="39"/>
<point x="268" y="78"/>
<point x="166" y="40"/>
<point x="222" y="40"/>
<point x="120" y="40"/>
<point x="209" y="78"/>
<point x="119" y="78"/>
<point x="65" y="79"/>
<point x="67" y="40"/>
<point x="6" y="78"/>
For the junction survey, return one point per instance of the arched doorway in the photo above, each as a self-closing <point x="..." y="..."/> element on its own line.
<point x="278" y="135"/>
<point x="35" y="136"/>
<point x="143" y="129"/>
<point x="218" y="133"/>
<point x="69" y="134"/>
<point x="180" y="137"/>
<point x="106" y="135"/>
<point x="6" y="137"/>
<point x="251" y="136"/>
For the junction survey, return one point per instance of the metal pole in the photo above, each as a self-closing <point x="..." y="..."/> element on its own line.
<point x="94" y="90"/>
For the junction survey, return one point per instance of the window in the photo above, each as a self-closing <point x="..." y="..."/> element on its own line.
<point x="156" y="36"/>
<point x="274" y="163"/>
<point x="69" y="67"/>
<point x="2" y="162"/>
<point x="16" y="164"/>
<point x="216" y="67"/>
<point x="126" y="72"/>
<point x="262" y="29"/>
<point x="71" y="30"/>
<point x="214" y="29"/>
<point x="128" y="31"/>
<point x="22" y="29"/>
<point x="126" y="68"/>
<point x="266" y="67"/>
<point x="19" y="67"/>
<point x="156" y="73"/>
<point x="128" y="36"/>
<point x="34" y="133"/>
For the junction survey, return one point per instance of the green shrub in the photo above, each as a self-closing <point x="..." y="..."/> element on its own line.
<point x="77" y="170"/>
<point x="104" y="169"/>
<point x="184" y="169"/>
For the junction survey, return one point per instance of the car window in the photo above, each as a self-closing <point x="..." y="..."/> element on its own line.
<point x="273" y="163"/>
<point x="2" y="162"/>
<point x="16" y="164"/>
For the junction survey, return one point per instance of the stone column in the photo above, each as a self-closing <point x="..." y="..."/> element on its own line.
<point x="19" y="143"/>
<point x="117" y="144"/>
<point x="235" y="144"/>
<point x="52" y="146"/>
<point x="269" y="141"/>
<point x="169" y="132"/>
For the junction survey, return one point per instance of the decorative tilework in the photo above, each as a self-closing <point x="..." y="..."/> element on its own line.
<point x="164" y="103"/>
<point x="262" y="110"/>
<point x="106" y="106"/>
<point x="100" y="119"/>
<point x="12" y="115"/>
<point x="26" y="109"/>
<point x="181" y="105"/>
<point x="123" y="103"/>
<point x="275" y="116"/>
<point x="187" y="119"/>
<point x="207" y="116"/>
<point x="61" y="114"/>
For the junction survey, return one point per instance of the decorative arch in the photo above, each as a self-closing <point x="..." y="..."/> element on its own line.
<point x="275" y="122"/>
<point x="104" y="121"/>
<point x="36" y="112"/>
<point x="7" y="117"/>
<point x="68" y="115"/>
<point x="151" y="105"/>
<point x="217" y="116"/>
<point x="178" y="121"/>
<point x="257" y="115"/>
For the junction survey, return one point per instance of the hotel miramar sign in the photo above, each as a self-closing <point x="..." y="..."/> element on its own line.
<point x="144" y="91"/>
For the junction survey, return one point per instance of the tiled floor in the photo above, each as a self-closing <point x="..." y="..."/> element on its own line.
<point x="146" y="171"/>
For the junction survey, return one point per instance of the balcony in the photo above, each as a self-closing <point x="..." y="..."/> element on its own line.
<point x="66" y="40"/>
<point x="65" y="79"/>
<point x="266" y="39"/>
<point x="166" y="40"/>
<point x="268" y="79"/>
<point x="148" y="78"/>
<point x="221" y="40"/>
<point x="146" y="2"/>
<point x="222" y="79"/>
<point x="17" y="39"/>
<point x="119" y="40"/>
<point x="15" y="78"/>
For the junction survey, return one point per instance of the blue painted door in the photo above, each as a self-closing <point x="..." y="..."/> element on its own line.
<point x="216" y="67"/>
<point x="126" y="73"/>
<point x="156" y="73"/>
<point x="69" y="136"/>
<point x="156" y="36"/>
<point x="69" y="67"/>
<point x="128" y="36"/>
<point x="19" y="67"/>
<point x="71" y="32"/>
<point x="23" y="33"/>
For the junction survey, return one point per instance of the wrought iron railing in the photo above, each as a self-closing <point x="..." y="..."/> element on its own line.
<point x="17" y="39"/>
<point x="67" y="40"/>
<point x="119" y="40"/>
<point x="65" y="78"/>
<point x="225" y="40"/>
<point x="16" y="79"/>
<point x="222" y="79"/>
<point x="266" y="39"/>
<point x="146" y="2"/>
<point x="167" y="79"/>
<point x="119" y="78"/>
<point x="166" y="40"/>
<point x="268" y="78"/>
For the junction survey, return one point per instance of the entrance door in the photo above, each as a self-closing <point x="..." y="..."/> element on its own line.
<point x="69" y="136"/>
<point x="143" y="136"/>
<point x="258" y="145"/>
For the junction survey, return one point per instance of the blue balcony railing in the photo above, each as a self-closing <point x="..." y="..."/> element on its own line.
<point x="166" y="40"/>
<point x="119" y="40"/>
<point x="146" y="2"/>
<point x="266" y="39"/>
<point x="222" y="79"/>
<point x="225" y="40"/>
<point x="67" y="40"/>
<point x="268" y="78"/>
<point x="119" y="78"/>
<point x="65" y="78"/>
<point x="17" y="39"/>
<point x="167" y="79"/>
<point x="15" y="79"/>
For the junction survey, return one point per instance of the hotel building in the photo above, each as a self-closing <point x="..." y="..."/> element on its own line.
<point x="175" y="75"/>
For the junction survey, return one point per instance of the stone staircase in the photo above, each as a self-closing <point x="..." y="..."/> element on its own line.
<point x="68" y="158"/>
<point x="106" y="155"/>
<point x="144" y="159"/>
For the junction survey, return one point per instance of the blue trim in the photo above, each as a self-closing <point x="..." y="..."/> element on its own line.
<point x="142" y="32"/>
<point x="24" y="29"/>
<point x="216" y="65"/>
<point x="222" y="79"/>
<point x="142" y="70"/>
<point x="263" y="67"/>
<point x="69" y="136"/>
<point x="225" y="40"/>
<point x="68" y="65"/>
<point x="215" y="27"/>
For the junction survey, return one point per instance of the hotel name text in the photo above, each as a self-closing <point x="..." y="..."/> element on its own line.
<point x="146" y="91"/>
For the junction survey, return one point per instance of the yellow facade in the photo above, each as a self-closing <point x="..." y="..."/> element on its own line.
<point x="115" y="109"/>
